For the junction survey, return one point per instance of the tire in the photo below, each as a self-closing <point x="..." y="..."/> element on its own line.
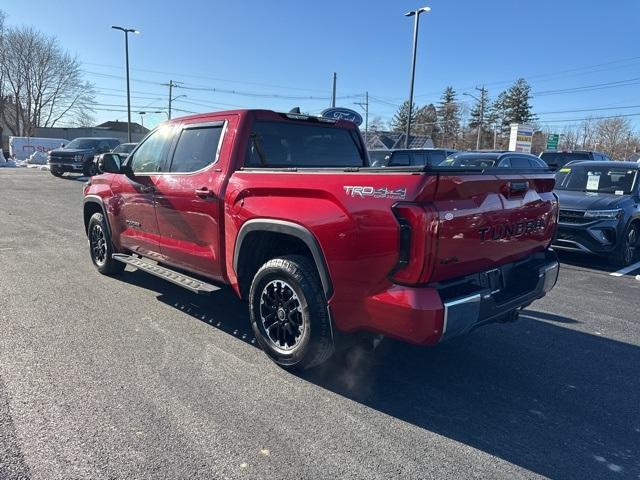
<point x="56" y="172"/>
<point x="89" y="169"/>
<point x="289" y="314"/>
<point x="626" y="252"/>
<point x="100" y="246"/>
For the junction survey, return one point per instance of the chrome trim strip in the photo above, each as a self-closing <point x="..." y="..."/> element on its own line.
<point x="447" y="305"/>
<point x="573" y="247"/>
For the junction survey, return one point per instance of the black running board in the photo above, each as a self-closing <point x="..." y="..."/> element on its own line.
<point x="185" y="281"/>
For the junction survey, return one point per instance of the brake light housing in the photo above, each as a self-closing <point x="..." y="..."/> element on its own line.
<point x="417" y="243"/>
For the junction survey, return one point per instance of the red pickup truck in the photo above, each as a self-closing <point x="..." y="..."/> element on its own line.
<point x="286" y="210"/>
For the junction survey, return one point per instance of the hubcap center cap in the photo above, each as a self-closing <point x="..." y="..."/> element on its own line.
<point x="282" y="314"/>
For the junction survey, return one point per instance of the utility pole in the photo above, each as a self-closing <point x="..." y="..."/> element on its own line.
<point x="416" y="14"/>
<point x="333" y="95"/>
<point x="365" y="105"/>
<point x="482" y="98"/>
<point x="495" y="135"/>
<point x="171" y="85"/>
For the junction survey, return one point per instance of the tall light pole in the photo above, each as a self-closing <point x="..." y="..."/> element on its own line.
<point x="365" y="106"/>
<point x="416" y="14"/>
<point x="142" y="114"/>
<point x="127" y="31"/>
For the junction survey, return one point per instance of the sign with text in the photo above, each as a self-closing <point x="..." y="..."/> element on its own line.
<point x="338" y="113"/>
<point x="552" y="141"/>
<point x="521" y="137"/>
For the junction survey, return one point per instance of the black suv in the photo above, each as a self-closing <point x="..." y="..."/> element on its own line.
<point x="77" y="155"/>
<point x="599" y="209"/>
<point x="408" y="157"/>
<point x="558" y="158"/>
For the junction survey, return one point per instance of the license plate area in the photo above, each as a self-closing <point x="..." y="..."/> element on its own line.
<point x="492" y="280"/>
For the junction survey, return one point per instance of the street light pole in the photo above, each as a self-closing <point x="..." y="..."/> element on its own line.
<point x="126" y="32"/>
<point x="365" y="106"/>
<point x="416" y="14"/>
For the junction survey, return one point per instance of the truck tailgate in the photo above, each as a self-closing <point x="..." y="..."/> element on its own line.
<point x="486" y="220"/>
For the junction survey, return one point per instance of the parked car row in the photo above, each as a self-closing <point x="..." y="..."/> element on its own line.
<point x="79" y="155"/>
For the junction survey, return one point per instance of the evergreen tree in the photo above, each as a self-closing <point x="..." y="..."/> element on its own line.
<point x="427" y="121"/>
<point x="449" y="116"/>
<point x="399" y="122"/>
<point x="512" y="105"/>
<point x="474" y="115"/>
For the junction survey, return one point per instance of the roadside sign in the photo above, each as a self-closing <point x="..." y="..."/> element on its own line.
<point x="521" y="138"/>
<point x="339" y="113"/>
<point x="552" y="141"/>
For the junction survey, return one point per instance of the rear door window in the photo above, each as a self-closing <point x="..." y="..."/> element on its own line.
<point x="400" y="159"/>
<point x="520" y="162"/>
<point x="197" y="148"/>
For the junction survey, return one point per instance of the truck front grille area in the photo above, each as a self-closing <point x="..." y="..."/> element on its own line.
<point x="573" y="216"/>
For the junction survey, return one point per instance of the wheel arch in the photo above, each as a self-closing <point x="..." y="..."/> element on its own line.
<point x="300" y="237"/>
<point x="94" y="204"/>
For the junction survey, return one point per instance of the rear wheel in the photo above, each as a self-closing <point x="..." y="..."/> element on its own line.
<point x="289" y="315"/>
<point x="56" y="171"/>
<point x="627" y="251"/>
<point x="100" y="246"/>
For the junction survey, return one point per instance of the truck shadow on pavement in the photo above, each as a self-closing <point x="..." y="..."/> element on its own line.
<point x="536" y="393"/>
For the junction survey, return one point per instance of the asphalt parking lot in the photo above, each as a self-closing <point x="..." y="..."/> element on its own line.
<point x="136" y="378"/>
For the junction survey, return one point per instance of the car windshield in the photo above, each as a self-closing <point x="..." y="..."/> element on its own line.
<point x="560" y="159"/>
<point x="476" y="161"/>
<point x="124" y="148"/>
<point x="619" y="180"/>
<point x="83" y="143"/>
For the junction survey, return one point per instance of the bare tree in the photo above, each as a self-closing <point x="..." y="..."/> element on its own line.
<point x="613" y="136"/>
<point x="570" y="137"/>
<point x="42" y="84"/>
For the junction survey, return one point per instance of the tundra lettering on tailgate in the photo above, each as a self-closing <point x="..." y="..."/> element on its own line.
<point x="509" y="230"/>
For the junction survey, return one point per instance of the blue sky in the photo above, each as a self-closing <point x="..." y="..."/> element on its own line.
<point x="265" y="51"/>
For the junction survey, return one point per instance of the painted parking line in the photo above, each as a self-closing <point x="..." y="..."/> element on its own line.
<point x="624" y="271"/>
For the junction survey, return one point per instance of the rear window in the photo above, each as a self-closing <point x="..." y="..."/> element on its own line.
<point x="560" y="159"/>
<point x="293" y="145"/>
<point x="468" y="160"/>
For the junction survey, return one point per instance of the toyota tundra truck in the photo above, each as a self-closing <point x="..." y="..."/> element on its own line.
<point x="285" y="209"/>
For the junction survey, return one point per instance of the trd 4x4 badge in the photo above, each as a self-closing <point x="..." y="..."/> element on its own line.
<point x="382" y="192"/>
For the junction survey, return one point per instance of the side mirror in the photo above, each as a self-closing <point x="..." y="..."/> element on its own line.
<point x="109" y="163"/>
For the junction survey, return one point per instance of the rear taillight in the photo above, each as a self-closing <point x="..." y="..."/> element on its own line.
<point x="418" y="234"/>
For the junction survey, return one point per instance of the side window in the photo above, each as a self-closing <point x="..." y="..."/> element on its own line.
<point x="520" y="162"/>
<point x="505" y="163"/>
<point x="150" y="155"/>
<point x="419" y="159"/>
<point x="196" y="148"/>
<point x="104" y="146"/>
<point x="437" y="157"/>
<point x="400" y="160"/>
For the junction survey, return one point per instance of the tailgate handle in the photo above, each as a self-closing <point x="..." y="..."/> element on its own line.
<point x="517" y="188"/>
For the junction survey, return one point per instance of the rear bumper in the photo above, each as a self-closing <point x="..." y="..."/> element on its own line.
<point x="428" y="315"/>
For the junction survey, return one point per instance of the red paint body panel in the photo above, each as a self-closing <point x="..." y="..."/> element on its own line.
<point x="358" y="236"/>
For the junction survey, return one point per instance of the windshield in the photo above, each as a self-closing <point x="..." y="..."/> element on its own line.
<point x="468" y="161"/>
<point x="560" y="159"/>
<point x="619" y="181"/>
<point x="294" y="145"/>
<point x="82" y="143"/>
<point x="124" y="148"/>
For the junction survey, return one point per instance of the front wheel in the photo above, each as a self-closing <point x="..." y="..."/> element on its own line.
<point x="626" y="251"/>
<point x="289" y="314"/>
<point x="56" y="171"/>
<point x="100" y="246"/>
<point x="90" y="169"/>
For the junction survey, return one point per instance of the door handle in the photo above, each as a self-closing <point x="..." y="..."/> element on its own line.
<point x="204" y="192"/>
